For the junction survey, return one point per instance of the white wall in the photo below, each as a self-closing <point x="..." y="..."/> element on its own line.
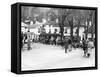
<point x="5" y="42"/>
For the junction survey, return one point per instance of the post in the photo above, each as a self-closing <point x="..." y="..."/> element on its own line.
<point x="29" y="41"/>
<point x="71" y="29"/>
<point x="86" y="33"/>
<point x="78" y="29"/>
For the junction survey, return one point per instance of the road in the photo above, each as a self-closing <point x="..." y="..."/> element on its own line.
<point x="52" y="57"/>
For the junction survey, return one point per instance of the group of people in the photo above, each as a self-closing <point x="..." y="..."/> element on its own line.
<point x="68" y="43"/>
<point x="25" y="39"/>
<point x="50" y="39"/>
<point x="84" y="44"/>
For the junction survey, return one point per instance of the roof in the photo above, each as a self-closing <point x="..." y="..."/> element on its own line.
<point x="66" y="24"/>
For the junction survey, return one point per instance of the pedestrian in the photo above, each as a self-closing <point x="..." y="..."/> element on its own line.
<point x="70" y="44"/>
<point x="85" y="47"/>
<point x="66" y="46"/>
<point x="25" y="38"/>
<point x="28" y="41"/>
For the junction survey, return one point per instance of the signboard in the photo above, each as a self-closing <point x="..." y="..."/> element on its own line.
<point x="89" y="35"/>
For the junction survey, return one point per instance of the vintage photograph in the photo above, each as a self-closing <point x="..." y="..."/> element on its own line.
<point x="55" y="38"/>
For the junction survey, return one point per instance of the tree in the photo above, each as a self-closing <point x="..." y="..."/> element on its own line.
<point x="81" y="17"/>
<point x="92" y="20"/>
<point x="71" y="17"/>
<point x="62" y="15"/>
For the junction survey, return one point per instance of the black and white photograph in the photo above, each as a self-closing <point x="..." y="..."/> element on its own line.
<point x="57" y="38"/>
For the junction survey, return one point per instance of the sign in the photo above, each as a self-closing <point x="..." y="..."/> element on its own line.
<point x="89" y="35"/>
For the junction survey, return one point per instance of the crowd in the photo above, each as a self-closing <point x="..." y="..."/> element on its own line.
<point x="84" y="44"/>
<point x="55" y="39"/>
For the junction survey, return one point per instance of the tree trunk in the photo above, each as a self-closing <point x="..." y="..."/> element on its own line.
<point x="78" y="29"/>
<point x="87" y="26"/>
<point x="92" y="32"/>
<point x="71" y="28"/>
<point x="61" y="31"/>
<point x="62" y="26"/>
<point x="86" y="35"/>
